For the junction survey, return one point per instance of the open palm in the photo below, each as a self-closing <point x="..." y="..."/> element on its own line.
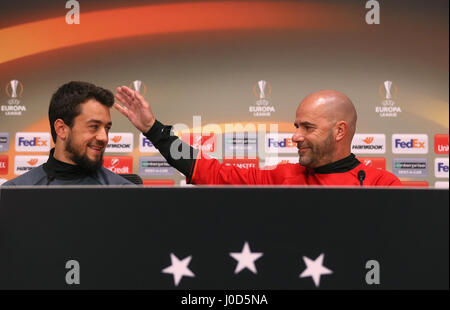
<point x="135" y="108"/>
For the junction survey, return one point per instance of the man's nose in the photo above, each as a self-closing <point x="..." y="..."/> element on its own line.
<point x="102" y="136"/>
<point x="298" y="137"/>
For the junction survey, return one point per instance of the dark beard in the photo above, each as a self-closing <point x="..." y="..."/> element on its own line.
<point x="319" y="152"/>
<point x="82" y="161"/>
<point x="324" y="150"/>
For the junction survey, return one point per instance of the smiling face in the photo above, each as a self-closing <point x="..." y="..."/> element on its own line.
<point x="314" y="136"/>
<point x="325" y="122"/>
<point x="88" y="137"/>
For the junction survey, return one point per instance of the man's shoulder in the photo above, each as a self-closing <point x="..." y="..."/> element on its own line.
<point x="110" y="178"/>
<point x="35" y="176"/>
<point x="384" y="177"/>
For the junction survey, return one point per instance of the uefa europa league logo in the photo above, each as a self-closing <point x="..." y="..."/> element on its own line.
<point x="14" y="89"/>
<point x="388" y="87"/>
<point x="262" y="86"/>
<point x="388" y="90"/>
<point x="262" y="91"/>
<point x="139" y="86"/>
<point x="14" y="84"/>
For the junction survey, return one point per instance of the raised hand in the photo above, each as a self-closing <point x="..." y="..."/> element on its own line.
<point x="135" y="108"/>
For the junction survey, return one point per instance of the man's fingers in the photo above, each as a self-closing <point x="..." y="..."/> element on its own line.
<point x="131" y="98"/>
<point x="140" y="98"/>
<point x="125" y="95"/>
<point x="134" y="95"/>
<point x="127" y="91"/>
<point x="127" y="103"/>
<point x="121" y="109"/>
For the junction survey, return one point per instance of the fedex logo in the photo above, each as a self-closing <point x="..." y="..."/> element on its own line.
<point x="280" y="143"/>
<point x="33" y="142"/>
<point x="413" y="143"/>
<point x="441" y="167"/>
<point x="409" y="144"/>
<point x="441" y="144"/>
<point x="146" y="146"/>
<point x="36" y="141"/>
<point x="3" y="164"/>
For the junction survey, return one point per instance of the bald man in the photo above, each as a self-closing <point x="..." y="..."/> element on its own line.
<point x="325" y="122"/>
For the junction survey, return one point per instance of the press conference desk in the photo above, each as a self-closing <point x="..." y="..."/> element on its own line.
<point x="122" y="238"/>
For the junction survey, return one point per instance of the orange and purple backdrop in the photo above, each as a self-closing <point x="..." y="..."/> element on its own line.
<point x="205" y="58"/>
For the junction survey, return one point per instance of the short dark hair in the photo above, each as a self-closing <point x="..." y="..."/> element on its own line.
<point x="65" y="102"/>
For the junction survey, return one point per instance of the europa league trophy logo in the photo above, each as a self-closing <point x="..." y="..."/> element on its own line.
<point x="137" y="85"/>
<point x="262" y="90"/>
<point x="388" y="87"/>
<point x="390" y="90"/>
<point x="140" y="87"/>
<point x="262" y="86"/>
<point x="14" y="90"/>
<point x="14" y="84"/>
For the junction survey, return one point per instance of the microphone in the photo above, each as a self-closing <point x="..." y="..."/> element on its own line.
<point x="361" y="176"/>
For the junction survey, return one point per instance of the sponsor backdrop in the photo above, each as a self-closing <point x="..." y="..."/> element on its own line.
<point x="209" y="64"/>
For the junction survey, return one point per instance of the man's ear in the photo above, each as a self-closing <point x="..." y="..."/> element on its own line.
<point x="61" y="129"/>
<point x="341" y="129"/>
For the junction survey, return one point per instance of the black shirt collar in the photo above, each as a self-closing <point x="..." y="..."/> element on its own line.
<point x="343" y="165"/>
<point x="56" y="169"/>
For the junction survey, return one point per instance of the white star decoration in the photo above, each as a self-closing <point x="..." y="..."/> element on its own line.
<point x="315" y="269"/>
<point x="179" y="268"/>
<point x="246" y="259"/>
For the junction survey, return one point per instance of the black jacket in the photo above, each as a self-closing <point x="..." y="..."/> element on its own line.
<point x="55" y="172"/>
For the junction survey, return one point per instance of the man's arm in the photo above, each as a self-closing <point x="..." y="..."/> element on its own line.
<point x="160" y="136"/>
<point x="196" y="170"/>
<point x="139" y="112"/>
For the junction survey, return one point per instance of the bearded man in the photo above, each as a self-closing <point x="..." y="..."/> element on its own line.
<point x="80" y="121"/>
